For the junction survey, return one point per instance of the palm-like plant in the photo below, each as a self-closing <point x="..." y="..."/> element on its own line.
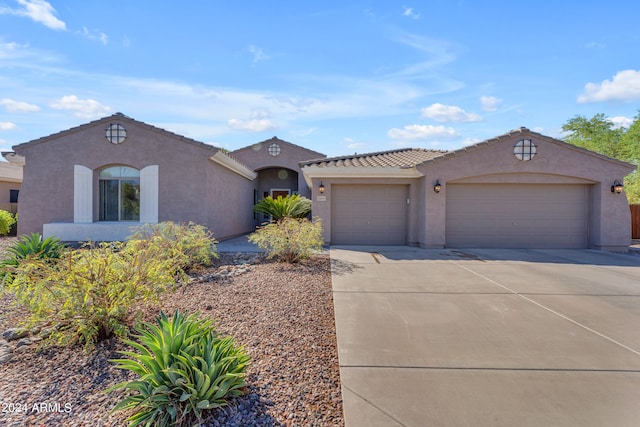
<point x="293" y="206"/>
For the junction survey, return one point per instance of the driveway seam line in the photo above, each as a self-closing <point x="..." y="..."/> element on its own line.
<point x="463" y="368"/>
<point x="374" y="406"/>
<point x="550" y="310"/>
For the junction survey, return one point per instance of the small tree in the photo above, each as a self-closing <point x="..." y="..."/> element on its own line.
<point x="603" y="136"/>
<point x="293" y="206"/>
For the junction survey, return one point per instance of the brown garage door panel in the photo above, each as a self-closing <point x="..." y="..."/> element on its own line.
<point x="369" y="214"/>
<point x="517" y="216"/>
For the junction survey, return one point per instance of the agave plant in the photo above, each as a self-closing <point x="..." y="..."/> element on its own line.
<point x="184" y="368"/>
<point x="293" y="206"/>
<point x="34" y="245"/>
<point x="31" y="245"/>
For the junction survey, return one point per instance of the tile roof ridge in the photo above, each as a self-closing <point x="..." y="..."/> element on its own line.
<point x="371" y="154"/>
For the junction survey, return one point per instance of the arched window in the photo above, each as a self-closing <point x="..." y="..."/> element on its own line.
<point x="119" y="194"/>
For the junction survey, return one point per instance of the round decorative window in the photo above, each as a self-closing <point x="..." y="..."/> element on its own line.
<point x="274" y="149"/>
<point x="116" y="134"/>
<point x="283" y="174"/>
<point x="524" y="149"/>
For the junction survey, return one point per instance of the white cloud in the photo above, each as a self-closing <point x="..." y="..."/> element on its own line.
<point x="625" y="86"/>
<point x="353" y="144"/>
<point x="621" y="121"/>
<point x="408" y="12"/>
<point x="7" y="126"/>
<point x="82" y="108"/>
<point x="13" y="106"/>
<point x="490" y="103"/>
<point x="258" y="54"/>
<point x="437" y="51"/>
<point x="95" y="35"/>
<point x="595" y="45"/>
<point x="39" y="10"/>
<point x="418" y="132"/>
<point x="471" y="141"/>
<point x="448" y="113"/>
<point x="253" y="125"/>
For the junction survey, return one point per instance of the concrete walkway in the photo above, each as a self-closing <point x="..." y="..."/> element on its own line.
<point x="237" y="244"/>
<point x="487" y="337"/>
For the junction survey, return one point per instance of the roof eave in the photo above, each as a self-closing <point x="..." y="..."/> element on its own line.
<point x="233" y="165"/>
<point x="13" y="158"/>
<point x="385" y="172"/>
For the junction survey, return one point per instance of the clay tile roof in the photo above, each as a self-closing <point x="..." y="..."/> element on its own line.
<point x="404" y="157"/>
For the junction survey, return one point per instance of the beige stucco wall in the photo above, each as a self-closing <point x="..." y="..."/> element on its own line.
<point x="555" y="163"/>
<point x="191" y="187"/>
<point x="5" y="188"/>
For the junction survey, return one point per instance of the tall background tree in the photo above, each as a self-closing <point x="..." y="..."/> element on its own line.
<point x="601" y="135"/>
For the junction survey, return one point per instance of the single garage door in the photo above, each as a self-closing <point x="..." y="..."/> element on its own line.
<point x="369" y="214"/>
<point x="517" y="216"/>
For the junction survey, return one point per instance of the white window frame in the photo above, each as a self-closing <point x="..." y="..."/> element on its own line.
<point x="83" y="194"/>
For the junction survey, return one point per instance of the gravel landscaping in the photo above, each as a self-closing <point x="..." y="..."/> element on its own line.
<point x="282" y="314"/>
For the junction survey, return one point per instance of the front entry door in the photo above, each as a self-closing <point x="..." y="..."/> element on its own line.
<point x="279" y="192"/>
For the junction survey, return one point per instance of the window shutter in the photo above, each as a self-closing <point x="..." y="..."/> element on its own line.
<point x="82" y="194"/>
<point x="149" y="195"/>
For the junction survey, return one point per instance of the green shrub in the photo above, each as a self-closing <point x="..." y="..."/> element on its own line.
<point x="293" y="206"/>
<point x="90" y="293"/>
<point x="189" y="244"/>
<point x="7" y="220"/>
<point x="34" y="245"/>
<point x="184" y="369"/>
<point x="289" y="239"/>
<point x="30" y="246"/>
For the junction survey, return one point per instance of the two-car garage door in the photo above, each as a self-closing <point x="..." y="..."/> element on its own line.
<point x="517" y="215"/>
<point x="477" y="215"/>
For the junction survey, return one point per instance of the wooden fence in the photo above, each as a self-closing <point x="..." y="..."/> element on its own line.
<point x="635" y="221"/>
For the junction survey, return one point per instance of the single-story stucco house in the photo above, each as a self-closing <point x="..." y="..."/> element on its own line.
<point x="519" y="190"/>
<point x="10" y="183"/>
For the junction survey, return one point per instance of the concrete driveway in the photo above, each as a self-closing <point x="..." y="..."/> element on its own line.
<point x="487" y="337"/>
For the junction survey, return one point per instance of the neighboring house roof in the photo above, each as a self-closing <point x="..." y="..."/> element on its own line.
<point x="10" y="172"/>
<point x="405" y="157"/>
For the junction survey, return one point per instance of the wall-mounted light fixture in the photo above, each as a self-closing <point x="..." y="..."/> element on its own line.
<point x="437" y="187"/>
<point x="617" y="187"/>
<point x="321" y="188"/>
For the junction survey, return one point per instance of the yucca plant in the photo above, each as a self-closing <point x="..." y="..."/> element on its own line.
<point x="293" y="206"/>
<point x="184" y="369"/>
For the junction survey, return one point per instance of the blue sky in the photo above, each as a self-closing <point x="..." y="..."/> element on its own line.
<point x="337" y="77"/>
